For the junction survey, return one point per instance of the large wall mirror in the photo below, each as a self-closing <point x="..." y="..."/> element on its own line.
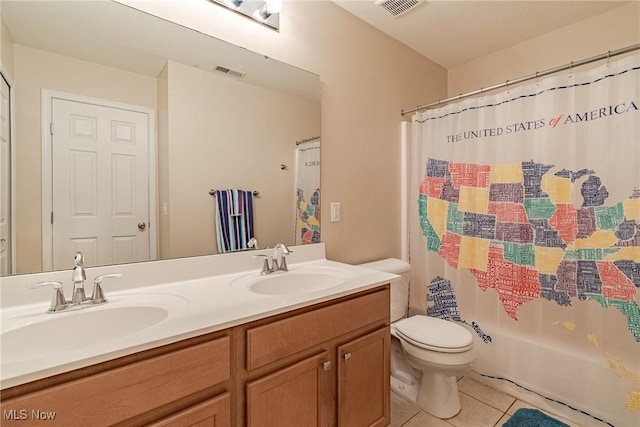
<point x="123" y="124"/>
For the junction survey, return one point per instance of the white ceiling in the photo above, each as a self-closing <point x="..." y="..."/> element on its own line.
<point x="453" y="32"/>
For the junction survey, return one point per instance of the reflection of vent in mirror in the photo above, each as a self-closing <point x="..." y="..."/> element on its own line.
<point x="229" y="71"/>
<point x="398" y="7"/>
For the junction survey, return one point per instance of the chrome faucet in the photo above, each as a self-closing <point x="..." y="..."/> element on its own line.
<point x="79" y="299"/>
<point x="78" y="276"/>
<point x="280" y="251"/>
<point x="275" y="262"/>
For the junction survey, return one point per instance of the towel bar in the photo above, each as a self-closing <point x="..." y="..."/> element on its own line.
<point x="213" y="193"/>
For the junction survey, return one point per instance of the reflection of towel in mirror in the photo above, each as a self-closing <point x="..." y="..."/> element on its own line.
<point x="234" y="219"/>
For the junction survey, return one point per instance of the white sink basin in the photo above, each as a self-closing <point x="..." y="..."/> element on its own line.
<point x="33" y="336"/>
<point x="292" y="282"/>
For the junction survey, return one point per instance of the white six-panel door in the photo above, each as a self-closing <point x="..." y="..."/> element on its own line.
<point x="100" y="188"/>
<point x="5" y="181"/>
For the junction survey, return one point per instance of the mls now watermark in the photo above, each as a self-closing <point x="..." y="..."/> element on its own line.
<point x="24" y="414"/>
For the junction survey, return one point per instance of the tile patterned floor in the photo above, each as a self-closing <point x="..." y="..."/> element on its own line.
<point x="482" y="406"/>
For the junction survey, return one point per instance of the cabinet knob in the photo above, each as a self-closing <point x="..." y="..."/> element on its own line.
<point x="326" y="365"/>
<point x="347" y="357"/>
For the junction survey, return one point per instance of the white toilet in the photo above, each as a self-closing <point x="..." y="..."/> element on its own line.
<point x="427" y="353"/>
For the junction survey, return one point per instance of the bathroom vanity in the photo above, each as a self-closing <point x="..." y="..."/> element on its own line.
<point x="231" y="356"/>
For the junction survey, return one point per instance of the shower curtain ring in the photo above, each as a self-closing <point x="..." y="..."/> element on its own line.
<point x="507" y="85"/>
<point x="608" y="57"/>
<point x="571" y="69"/>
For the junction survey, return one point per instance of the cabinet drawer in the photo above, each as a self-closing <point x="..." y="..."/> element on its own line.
<point x="214" y="412"/>
<point x="116" y="395"/>
<point x="273" y="341"/>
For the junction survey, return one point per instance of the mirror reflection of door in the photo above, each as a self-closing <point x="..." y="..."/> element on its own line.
<point x="5" y="180"/>
<point x="100" y="184"/>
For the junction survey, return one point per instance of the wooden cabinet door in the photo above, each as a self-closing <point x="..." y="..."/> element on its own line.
<point x="215" y="412"/>
<point x="363" y="380"/>
<point x="292" y="396"/>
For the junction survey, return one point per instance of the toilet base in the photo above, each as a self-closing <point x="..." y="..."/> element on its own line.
<point x="438" y="395"/>
<point x="402" y="389"/>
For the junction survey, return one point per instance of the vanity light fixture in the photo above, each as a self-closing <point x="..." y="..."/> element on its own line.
<point x="265" y="12"/>
<point x="270" y="7"/>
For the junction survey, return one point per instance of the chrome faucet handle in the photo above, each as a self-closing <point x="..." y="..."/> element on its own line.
<point x="58" y="302"/>
<point x="266" y="267"/>
<point x="97" y="296"/>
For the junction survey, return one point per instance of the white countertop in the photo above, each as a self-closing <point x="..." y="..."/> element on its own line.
<point x="196" y="306"/>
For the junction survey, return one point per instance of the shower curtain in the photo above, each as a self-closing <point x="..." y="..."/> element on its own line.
<point x="525" y="226"/>
<point x="308" y="192"/>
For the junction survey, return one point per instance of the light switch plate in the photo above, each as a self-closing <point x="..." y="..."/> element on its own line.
<point x="335" y="212"/>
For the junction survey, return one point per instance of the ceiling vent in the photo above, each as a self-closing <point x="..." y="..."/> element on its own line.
<point x="398" y="7"/>
<point x="230" y="72"/>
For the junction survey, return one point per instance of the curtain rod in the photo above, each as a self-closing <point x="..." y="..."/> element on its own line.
<point x="536" y="75"/>
<point x="307" y="140"/>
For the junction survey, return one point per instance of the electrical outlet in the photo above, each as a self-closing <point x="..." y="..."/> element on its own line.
<point x="335" y="212"/>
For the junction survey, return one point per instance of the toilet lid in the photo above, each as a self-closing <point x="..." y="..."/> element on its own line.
<point x="434" y="334"/>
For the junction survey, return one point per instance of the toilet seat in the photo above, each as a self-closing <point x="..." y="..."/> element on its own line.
<point x="434" y="334"/>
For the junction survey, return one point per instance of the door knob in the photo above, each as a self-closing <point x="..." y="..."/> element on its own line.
<point x="142" y="225"/>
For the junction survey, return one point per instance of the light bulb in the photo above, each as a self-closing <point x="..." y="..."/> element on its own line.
<point x="273" y="6"/>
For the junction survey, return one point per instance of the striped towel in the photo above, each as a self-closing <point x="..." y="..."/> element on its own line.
<point x="234" y="219"/>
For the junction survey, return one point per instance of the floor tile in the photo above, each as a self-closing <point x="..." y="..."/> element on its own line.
<point x="401" y="410"/>
<point x="503" y="420"/>
<point x="517" y="405"/>
<point x="475" y="413"/>
<point x="486" y="394"/>
<point x="423" y="419"/>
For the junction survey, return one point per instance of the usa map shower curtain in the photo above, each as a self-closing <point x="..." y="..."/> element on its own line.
<point x="525" y="226"/>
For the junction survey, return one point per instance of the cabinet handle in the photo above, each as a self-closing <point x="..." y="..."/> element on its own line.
<point x="326" y="365"/>
<point x="347" y="357"/>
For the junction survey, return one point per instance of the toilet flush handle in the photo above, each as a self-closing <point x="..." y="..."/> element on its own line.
<point x="347" y="357"/>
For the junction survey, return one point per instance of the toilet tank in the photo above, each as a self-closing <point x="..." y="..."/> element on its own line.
<point x="399" y="287"/>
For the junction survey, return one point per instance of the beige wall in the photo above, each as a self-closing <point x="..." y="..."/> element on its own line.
<point x="367" y="78"/>
<point x="224" y="133"/>
<point x="612" y="30"/>
<point x="36" y="70"/>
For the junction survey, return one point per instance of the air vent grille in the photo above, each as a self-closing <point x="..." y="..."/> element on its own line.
<point x="398" y="7"/>
<point x="230" y="71"/>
